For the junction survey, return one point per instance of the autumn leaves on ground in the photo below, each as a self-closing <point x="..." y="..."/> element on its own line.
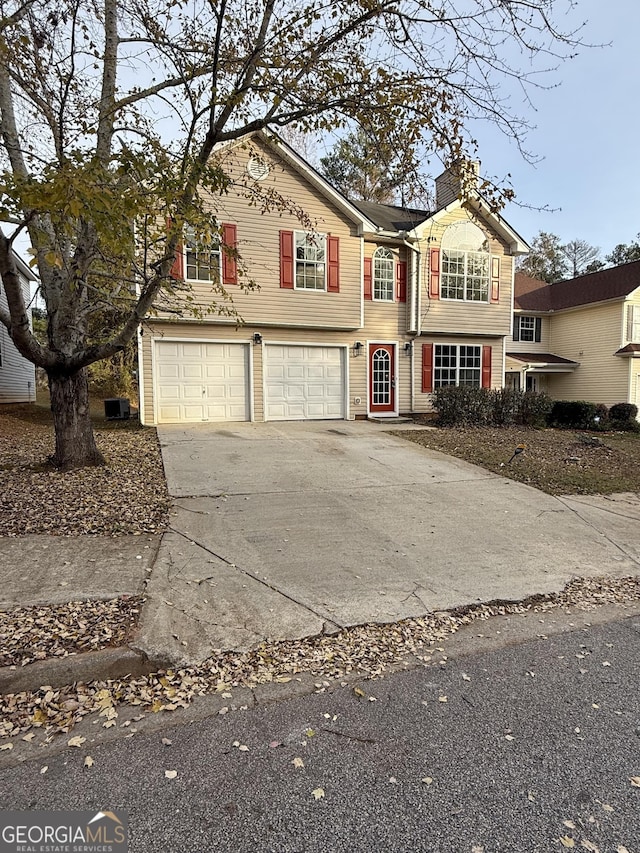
<point x="559" y="462"/>
<point x="129" y="496"/>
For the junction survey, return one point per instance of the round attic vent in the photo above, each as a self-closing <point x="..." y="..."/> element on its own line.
<point x="258" y="169"/>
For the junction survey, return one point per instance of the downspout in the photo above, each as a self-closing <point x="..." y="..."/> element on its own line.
<point x="414" y="286"/>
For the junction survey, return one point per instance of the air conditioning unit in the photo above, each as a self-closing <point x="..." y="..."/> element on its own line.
<point x="118" y="408"/>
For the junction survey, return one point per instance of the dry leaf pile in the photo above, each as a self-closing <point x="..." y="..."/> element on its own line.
<point x="560" y="462"/>
<point x="129" y="495"/>
<point x="35" y="633"/>
<point x="368" y="650"/>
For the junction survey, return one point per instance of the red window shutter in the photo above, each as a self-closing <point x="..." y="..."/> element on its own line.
<point x="177" y="270"/>
<point x="401" y="281"/>
<point x="333" y="268"/>
<point x="434" y="279"/>
<point x="286" y="259"/>
<point x="368" y="279"/>
<point x="427" y="368"/>
<point x="486" y="367"/>
<point x="229" y="260"/>
<point x="495" y="279"/>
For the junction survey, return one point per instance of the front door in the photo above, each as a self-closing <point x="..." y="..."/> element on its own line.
<point x="382" y="383"/>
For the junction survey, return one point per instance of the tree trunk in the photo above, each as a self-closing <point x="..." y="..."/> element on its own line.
<point x="75" y="442"/>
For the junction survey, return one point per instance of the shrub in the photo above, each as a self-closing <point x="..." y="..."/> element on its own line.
<point x="467" y="406"/>
<point x="572" y="414"/>
<point x="534" y="409"/>
<point x="507" y="403"/>
<point x="621" y="412"/>
<point x="462" y="406"/>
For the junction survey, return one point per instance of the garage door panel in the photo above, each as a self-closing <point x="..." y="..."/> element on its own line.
<point x="201" y="381"/>
<point x="304" y="382"/>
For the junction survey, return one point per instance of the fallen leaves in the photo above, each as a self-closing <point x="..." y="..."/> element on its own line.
<point x="367" y="649"/>
<point x="89" y="762"/>
<point x="635" y="781"/>
<point x="36" y="633"/>
<point x="128" y="495"/>
<point x="78" y="740"/>
<point x="170" y="774"/>
<point x="318" y="793"/>
<point x="298" y="763"/>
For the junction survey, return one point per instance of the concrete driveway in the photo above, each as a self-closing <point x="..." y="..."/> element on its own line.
<point x="287" y="530"/>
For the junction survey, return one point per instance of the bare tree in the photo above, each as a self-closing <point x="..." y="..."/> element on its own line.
<point x="582" y="257"/>
<point x="110" y="113"/>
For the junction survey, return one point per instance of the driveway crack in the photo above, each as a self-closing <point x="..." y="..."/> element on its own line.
<point x="292" y="599"/>
<point x="615" y="544"/>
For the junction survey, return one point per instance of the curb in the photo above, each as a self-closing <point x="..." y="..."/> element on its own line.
<point x="85" y="666"/>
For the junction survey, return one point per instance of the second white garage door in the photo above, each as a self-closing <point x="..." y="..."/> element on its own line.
<point x="303" y="382"/>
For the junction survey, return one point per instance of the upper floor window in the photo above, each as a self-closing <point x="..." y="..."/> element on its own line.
<point x="310" y="261"/>
<point x="383" y="280"/>
<point x="202" y="257"/>
<point x="633" y="324"/>
<point x="527" y="329"/>
<point x="465" y="263"/>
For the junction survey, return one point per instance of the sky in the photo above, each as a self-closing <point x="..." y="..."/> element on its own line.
<point x="586" y="136"/>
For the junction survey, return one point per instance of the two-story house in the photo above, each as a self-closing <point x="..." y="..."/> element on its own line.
<point x="17" y="375"/>
<point x="578" y="339"/>
<point x="362" y="315"/>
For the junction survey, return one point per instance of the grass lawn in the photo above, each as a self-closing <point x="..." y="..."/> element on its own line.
<point x="560" y="462"/>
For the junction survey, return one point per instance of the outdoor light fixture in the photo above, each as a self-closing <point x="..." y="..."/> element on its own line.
<point x="408" y="347"/>
<point x="257" y="338"/>
<point x="357" y="347"/>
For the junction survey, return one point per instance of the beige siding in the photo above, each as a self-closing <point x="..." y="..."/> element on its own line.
<point x="532" y="346"/>
<point x="590" y="336"/>
<point x="259" y="247"/>
<point x="386" y="320"/>
<point x="458" y="317"/>
<point x="17" y="375"/>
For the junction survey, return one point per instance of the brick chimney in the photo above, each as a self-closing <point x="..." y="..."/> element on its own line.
<point x="450" y="183"/>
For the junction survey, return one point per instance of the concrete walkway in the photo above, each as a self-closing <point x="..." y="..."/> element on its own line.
<point x="287" y="530"/>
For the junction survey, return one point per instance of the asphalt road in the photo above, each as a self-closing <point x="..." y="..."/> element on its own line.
<point x="530" y="736"/>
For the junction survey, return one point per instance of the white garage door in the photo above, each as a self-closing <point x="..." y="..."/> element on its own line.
<point x="201" y="382"/>
<point x="303" y="383"/>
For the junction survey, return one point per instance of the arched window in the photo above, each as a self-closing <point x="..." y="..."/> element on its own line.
<point x="383" y="274"/>
<point x="465" y="263"/>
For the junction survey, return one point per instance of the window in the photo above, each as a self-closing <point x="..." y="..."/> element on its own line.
<point x="310" y="259"/>
<point x="465" y="263"/>
<point x="527" y="329"/>
<point x="383" y="274"/>
<point x="457" y="365"/>
<point x="202" y="257"/>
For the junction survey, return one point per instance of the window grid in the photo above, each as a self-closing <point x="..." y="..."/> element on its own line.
<point x="527" y="328"/>
<point x="383" y="275"/>
<point x="310" y="261"/>
<point x="202" y="263"/>
<point x="457" y="365"/>
<point x="465" y="275"/>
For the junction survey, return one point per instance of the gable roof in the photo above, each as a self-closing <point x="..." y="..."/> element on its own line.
<point x="390" y="217"/>
<point x="530" y="294"/>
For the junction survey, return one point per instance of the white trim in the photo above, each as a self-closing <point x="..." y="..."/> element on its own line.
<point x="176" y="339"/>
<point x="320" y="234"/>
<point x="395" y="378"/>
<point x="141" y="400"/>
<point x="457" y="346"/>
<point x="361" y="282"/>
<point x="329" y="345"/>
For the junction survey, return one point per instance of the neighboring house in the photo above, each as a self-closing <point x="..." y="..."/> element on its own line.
<point x="17" y="375"/>
<point x="363" y="316"/>
<point x="578" y="339"/>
